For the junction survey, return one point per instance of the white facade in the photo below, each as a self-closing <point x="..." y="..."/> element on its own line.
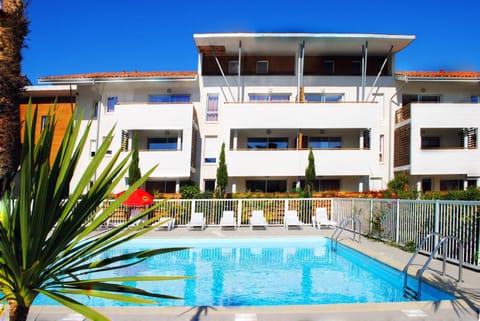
<point x="335" y="94"/>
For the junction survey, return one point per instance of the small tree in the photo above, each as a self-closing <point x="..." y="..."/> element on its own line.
<point x="222" y="175"/>
<point x="310" y="174"/>
<point x="134" y="173"/>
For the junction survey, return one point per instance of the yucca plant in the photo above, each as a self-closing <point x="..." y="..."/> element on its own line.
<point x="48" y="235"/>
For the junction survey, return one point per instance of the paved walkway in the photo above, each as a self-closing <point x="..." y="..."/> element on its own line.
<point x="466" y="308"/>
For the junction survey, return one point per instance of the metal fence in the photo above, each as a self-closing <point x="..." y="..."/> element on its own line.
<point x="402" y="222"/>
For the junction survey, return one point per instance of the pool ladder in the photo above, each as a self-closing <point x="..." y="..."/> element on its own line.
<point x="355" y="222"/>
<point x="410" y="292"/>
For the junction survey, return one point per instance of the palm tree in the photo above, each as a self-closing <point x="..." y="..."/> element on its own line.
<point x="47" y="244"/>
<point x="13" y="30"/>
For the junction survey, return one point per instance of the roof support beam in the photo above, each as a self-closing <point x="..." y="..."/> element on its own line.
<point x="364" y="67"/>
<point x="225" y="79"/>
<point x="239" y="93"/>
<point x="300" y="65"/>
<point x="380" y="72"/>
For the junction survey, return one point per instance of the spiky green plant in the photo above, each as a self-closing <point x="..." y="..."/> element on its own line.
<point x="48" y="238"/>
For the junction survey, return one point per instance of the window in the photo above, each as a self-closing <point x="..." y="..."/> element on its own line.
<point x="268" y="186"/>
<point x="426" y="184"/>
<point x="111" y="102"/>
<point x="209" y="185"/>
<point x="212" y="107"/>
<point x="381" y="148"/>
<point x="329" y="67"/>
<point x="451" y="185"/>
<point x="269" y="97"/>
<point x="211" y="149"/>
<point x="93" y="147"/>
<point x="329" y="185"/>
<point x="324" y="142"/>
<point x="233" y="67"/>
<point x="43" y="122"/>
<point x="95" y="110"/>
<point x="169" y="98"/>
<point x="162" y="143"/>
<point x="161" y="186"/>
<point x="267" y="143"/>
<point x="475" y="99"/>
<point x="356" y="67"/>
<point x="430" y="142"/>
<point x="407" y="99"/>
<point x="262" y="67"/>
<point x="324" y="98"/>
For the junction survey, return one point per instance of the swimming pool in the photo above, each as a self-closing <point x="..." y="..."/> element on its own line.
<point x="264" y="272"/>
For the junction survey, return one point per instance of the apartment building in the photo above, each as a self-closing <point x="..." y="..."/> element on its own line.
<point x="273" y="97"/>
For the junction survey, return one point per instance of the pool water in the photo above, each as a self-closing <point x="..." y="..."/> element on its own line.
<point x="263" y="272"/>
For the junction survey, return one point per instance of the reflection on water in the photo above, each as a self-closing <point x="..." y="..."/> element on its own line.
<point x="266" y="275"/>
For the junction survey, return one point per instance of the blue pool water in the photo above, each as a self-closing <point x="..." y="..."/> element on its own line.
<point x="264" y="272"/>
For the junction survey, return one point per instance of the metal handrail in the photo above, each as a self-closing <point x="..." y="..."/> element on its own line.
<point x="437" y="247"/>
<point x="341" y="227"/>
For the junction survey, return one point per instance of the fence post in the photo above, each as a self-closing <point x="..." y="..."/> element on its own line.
<point x="193" y="208"/>
<point x="239" y="215"/>
<point x="397" y="220"/>
<point x="370" y="222"/>
<point x="436" y="227"/>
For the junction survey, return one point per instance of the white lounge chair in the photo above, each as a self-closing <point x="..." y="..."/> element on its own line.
<point x="320" y="218"/>
<point x="258" y="220"/>
<point x="197" y="220"/>
<point x="291" y="219"/>
<point x="228" y="220"/>
<point x="166" y="223"/>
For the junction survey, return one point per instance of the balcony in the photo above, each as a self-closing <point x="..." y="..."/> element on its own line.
<point x="291" y="162"/>
<point x="154" y="115"/>
<point x="301" y="115"/>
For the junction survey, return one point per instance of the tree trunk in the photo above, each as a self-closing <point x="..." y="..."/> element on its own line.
<point x="13" y="30"/>
<point x="16" y="312"/>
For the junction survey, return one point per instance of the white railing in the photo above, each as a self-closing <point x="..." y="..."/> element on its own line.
<point x="402" y="222"/>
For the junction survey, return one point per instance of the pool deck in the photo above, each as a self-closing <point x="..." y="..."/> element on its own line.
<point x="466" y="308"/>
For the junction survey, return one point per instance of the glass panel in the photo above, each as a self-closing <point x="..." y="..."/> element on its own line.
<point x="169" y="98"/>
<point x="325" y="142"/>
<point x="267" y="142"/>
<point x="166" y="143"/>
<point x="111" y="102"/>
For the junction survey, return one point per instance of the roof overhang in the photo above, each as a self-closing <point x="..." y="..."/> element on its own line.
<point x="119" y="77"/>
<point x="437" y="76"/>
<point x="54" y="90"/>
<point x="287" y="43"/>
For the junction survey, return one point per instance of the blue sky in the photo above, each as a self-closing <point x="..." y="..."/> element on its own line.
<point x="70" y="37"/>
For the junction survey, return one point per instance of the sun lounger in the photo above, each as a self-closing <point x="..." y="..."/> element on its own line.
<point x="291" y="219"/>
<point x="258" y="220"/>
<point x="197" y="221"/>
<point x="166" y="223"/>
<point x="228" y="220"/>
<point x="320" y="218"/>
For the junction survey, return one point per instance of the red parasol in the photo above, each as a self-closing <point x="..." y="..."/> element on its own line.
<point x="138" y="198"/>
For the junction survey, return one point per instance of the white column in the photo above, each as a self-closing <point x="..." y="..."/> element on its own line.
<point x="177" y="186"/>
<point x="179" y="140"/>
<point x="419" y="184"/>
<point x="465" y="138"/>
<point x="361" y="140"/>
<point x="478" y="182"/>
<point x="360" y="186"/>
<point x="235" y="139"/>
<point x="298" y="185"/>
<point x="465" y="184"/>
<point x="234" y="186"/>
